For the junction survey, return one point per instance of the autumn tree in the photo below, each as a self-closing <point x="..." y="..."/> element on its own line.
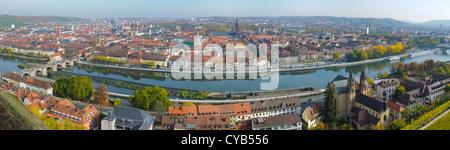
<point x="397" y="124"/>
<point x="440" y="70"/>
<point x="363" y="55"/>
<point x="386" y="74"/>
<point x="100" y="95"/>
<point x="399" y="91"/>
<point x="188" y="103"/>
<point x="379" y="127"/>
<point x="117" y="102"/>
<point x="413" y="67"/>
<point x="336" y="55"/>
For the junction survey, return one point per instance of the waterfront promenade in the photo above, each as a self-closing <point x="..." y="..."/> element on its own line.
<point x="281" y="69"/>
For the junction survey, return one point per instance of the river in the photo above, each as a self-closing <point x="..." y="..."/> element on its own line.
<point x="293" y="79"/>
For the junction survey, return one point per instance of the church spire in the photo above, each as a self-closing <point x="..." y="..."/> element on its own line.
<point x="363" y="75"/>
<point x="58" y="32"/>
<point x="350" y="78"/>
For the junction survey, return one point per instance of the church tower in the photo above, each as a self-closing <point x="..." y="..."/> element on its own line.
<point x="351" y="92"/>
<point x="363" y="83"/>
<point x="58" y="34"/>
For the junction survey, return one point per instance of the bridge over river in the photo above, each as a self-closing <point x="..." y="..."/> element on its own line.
<point x="50" y="66"/>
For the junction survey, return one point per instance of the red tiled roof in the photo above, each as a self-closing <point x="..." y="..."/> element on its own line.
<point x="33" y="97"/>
<point x="55" y="54"/>
<point x="395" y="106"/>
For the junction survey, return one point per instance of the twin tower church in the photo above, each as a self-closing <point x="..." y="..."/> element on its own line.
<point x="354" y="100"/>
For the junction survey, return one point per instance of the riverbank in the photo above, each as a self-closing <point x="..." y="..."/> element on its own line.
<point x="25" y="57"/>
<point x="281" y="69"/>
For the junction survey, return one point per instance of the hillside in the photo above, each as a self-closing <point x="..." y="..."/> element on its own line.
<point x="437" y="23"/>
<point x="14" y="115"/>
<point x="6" y="20"/>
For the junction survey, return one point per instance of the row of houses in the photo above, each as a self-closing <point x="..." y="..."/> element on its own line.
<point x="125" y="54"/>
<point x="120" y="118"/>
<point x="25" y="82"/>
<point x="274" y="114"/>
<point x="425" y="91"/>
<point x="55" y="107"/>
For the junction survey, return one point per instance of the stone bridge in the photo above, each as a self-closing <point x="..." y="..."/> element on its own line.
<point x="51" y="65"/>
<point x="443" y="47"/>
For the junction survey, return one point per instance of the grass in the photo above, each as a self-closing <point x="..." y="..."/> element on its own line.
<point x="442" y="124"/>
<point x="14" y="115"/>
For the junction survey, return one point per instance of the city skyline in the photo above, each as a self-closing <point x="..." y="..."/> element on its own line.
<point x="402" y="10"/>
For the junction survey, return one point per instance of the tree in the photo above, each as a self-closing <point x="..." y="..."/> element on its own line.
<point x="363" y="55"/>
<point x="30" y="54"/>
<point x="159" y="107"/>
<point x="447" y="88"/>
<point x="39" y="55"/>
<point x="351" y="56"/>
<point x="146" y="98"/>
<point x="414" y="67"/>
<point x="100" y="95"/>
<point x="75" y="88"/>
<point x="371" y="82"/>
<point x="336" y="55"/>
<point x="188" y="103"/>
<point x="386" y="74"/>
<point x="320" y="126"/>
<point x="379" y="127"/>
<point x="399" y="91"/>
<point x="117" y="102"/>
<point x="150" y="63"/>
<point x="379" y="51"/>
<point x="440" y="70"/>
<point x="400" y="70"/>
<point x="393" y="68"/>
<point x="330" y="95"/>
<point x="397" y="124"/>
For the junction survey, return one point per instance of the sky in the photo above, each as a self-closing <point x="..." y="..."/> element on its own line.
<point x="404" y="10"/>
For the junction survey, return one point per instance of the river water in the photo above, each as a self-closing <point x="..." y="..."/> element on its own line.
<point x="293" y="79"/>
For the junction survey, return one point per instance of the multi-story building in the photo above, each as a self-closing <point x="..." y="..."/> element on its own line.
<point x="312" y="115"/>
<point x="414" y="93"/>
<point x="228" y="110"/>
<point x="28" y="83"/>
<point x="272" y="107"/>
<point x="126" y="118"/>
<point x="36" y="85"/>
<point x="87" y="116"/>
<point x="281" y="122"/>
<point x="385" y="89"/>
<point x="180" y="117"/>
<point x="12" y="78"/>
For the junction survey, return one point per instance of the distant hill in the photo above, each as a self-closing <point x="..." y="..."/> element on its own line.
<point x="14" y="115"/>
<point x="438" y="23"/>
<point x="6" y="20"/>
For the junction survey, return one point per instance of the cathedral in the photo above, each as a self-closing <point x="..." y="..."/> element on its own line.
<point x="354" y="100"/>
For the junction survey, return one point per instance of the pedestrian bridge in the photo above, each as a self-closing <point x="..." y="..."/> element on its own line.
<point x="50" y="66"/>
